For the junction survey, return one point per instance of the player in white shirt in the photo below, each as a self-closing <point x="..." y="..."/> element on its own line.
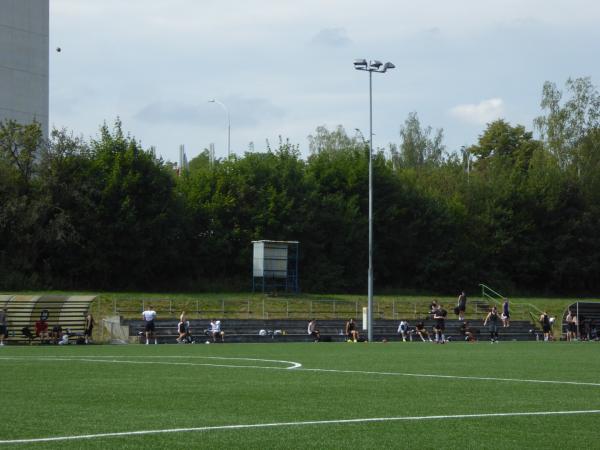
<point x="215" y="330"/>
<point x="149" y="316"/>
<point x="403" y="330"/>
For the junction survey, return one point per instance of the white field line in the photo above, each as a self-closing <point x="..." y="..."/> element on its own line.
<point x="100" y="358"/>
<point x="293" y="424"/>
<point x="452" y="377"/>
<point x="297" y="367"/>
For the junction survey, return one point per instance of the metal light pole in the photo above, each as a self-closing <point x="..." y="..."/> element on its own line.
<point x="228" y="125"/>
<point x="377" y="67"/>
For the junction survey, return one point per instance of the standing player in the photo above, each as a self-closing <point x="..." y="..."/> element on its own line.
<point x="546" y="325"/>
<point x="149" y="316"/>
<point x="89" y="327"/>
<point x="313" y="331"/>
<point x="505" y="314"/>
<point x="3" y="326"/>
<point x="461" y="305"/>
<point x="492" y="318"/>
<point x="440" y="324"/>
<point x="571" y="326"/>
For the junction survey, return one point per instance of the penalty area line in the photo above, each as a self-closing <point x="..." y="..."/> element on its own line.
<point x="293" y="424"/>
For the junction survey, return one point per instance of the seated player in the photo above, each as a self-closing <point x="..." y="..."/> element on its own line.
<point x="56" y="334"/>
<point x="422" y="332"/>
<point x="351" y="331"/>
<point x="41" y="330"/>
<point x="466" y="331"/>
<point x="215" y="331"/>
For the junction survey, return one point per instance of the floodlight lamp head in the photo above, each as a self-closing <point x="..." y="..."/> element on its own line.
<point x="374" y="64"/>
<point x="389" y="65"/>
<point x="212" y="100"/>
<point x="360" y="64"/>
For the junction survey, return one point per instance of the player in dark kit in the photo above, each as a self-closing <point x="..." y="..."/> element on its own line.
<point x="546" y="325"/>
<point x="493" y="319"/>
<point x="351" y="331"/>
<point x="440" y="324"/>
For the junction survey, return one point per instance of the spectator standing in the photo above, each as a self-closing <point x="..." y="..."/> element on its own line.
<point x="351" y="331"/>
<point x="505" y="314"/>
<point x="149" y="315"/>
<point x="461" y="305"/>
<point x="493" y="319"/>
<point x="3" y="326"/>
<point x="89" y="327"/>
<point x="313" y="331"/>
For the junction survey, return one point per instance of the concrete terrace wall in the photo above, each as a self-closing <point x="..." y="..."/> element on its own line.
<point x="24" y="34"/>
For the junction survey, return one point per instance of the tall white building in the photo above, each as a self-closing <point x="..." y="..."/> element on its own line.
<point x="24" y="30"/>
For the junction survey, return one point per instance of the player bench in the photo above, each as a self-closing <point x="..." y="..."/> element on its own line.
<point x="23" y="311"/>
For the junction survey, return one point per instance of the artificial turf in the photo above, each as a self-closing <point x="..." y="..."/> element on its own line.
<point x="50" y="391"/>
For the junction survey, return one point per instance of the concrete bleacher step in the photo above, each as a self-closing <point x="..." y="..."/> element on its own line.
<point x="289" y="330"/>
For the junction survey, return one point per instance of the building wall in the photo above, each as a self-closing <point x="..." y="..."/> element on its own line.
<point x="24" y="31"/>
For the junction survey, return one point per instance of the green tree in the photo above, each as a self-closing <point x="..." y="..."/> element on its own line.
<point x="418" y="147"/>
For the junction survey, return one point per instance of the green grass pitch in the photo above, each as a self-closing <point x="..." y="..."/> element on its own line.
<point x="204" y="391"/>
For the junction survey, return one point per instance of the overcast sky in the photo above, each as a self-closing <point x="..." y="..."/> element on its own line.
<point x="283" y="68"/>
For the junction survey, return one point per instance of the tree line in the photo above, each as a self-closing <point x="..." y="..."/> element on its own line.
<point x="514" y="211"/>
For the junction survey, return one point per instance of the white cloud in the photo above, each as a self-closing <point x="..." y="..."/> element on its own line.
<point x="481" y="113"/>
<point x="332" y="37"/>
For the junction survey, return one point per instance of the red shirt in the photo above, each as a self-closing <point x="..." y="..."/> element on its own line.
<point x="40" y="326"/>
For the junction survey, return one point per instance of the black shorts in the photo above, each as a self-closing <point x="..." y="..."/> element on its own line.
<point x="547" y="328"/>
<point x="88" y="331"/>
<point x="150" y="325"/>
<point x="572" y="327"/>
<point x="4" y="330"/>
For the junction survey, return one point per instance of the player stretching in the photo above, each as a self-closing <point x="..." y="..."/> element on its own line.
<point x="149" y="316"/>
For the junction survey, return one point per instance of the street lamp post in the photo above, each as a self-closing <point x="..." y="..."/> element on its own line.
<point x="377" y="67"/>
<point x="228" y="125"/>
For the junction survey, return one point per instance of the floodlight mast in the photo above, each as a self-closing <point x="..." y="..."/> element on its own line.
<point x="222" y="105"/>
<point x="372" y="66"/>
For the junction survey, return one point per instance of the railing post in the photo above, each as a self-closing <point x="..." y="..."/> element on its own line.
<point x="223" y="307"/>
<point x="197" y="307"/>
<point x="248" y="309"/>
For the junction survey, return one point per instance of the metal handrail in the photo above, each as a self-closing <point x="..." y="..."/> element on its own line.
<point x="485" y="287"/>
